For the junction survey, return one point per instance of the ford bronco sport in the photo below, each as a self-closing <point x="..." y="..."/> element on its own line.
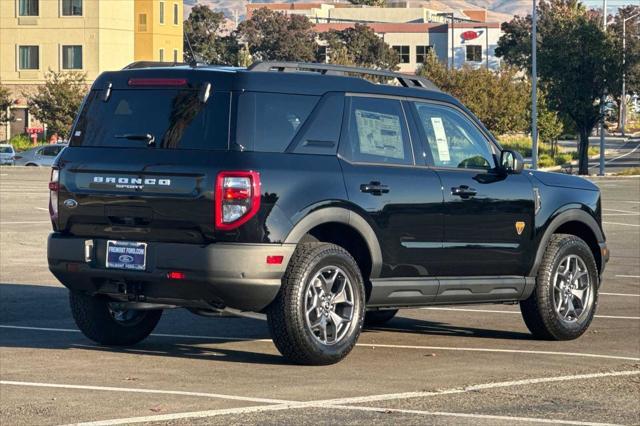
<point x="311" y="194"/>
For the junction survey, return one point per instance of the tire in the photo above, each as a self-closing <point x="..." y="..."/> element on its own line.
<point x="381" y="317"/>
<point x="98" y="322"/>
<point x="541" y="311"/>
<point x="299" y="335"/>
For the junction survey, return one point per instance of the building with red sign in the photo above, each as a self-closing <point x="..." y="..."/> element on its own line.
<point x="458" y="37"/>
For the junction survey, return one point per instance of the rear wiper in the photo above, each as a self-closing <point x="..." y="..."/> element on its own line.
<point x="151" y="140"/>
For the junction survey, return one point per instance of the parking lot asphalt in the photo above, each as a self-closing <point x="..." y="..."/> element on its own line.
<point x="444" y="365"/>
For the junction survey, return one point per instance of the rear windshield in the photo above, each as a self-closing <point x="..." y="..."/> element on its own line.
<point x="6" y="150"/>
<point x="163" y="118"/>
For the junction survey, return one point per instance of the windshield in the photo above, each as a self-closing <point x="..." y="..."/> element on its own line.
<point x="6" y="150"/>
<point x="164" y="119"/>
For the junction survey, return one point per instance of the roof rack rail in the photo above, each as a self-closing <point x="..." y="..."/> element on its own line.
<point x="152" y="64"/>
<point x="405" y="80"/>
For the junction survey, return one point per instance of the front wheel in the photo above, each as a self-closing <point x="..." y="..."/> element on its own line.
<point x="564" y="301"/>
<point x="317" y="316"/>
<point x="101" y="321"/>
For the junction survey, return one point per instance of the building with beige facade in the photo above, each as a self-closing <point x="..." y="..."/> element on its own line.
<point x="88" y="36"/>
<point x="159" y="30"/>
<point x="458" y="37"/>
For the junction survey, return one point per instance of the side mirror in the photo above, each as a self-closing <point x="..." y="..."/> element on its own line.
<point x="511" y="162"/>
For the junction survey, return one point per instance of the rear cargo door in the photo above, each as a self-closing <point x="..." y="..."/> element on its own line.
<point x="142" y="162"/>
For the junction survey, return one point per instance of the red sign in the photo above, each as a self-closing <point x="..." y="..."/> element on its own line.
<point x="35" y="129"/>
<point x="470" y="35"/>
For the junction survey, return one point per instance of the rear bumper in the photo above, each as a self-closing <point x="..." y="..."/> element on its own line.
<point x="222" y="274"/>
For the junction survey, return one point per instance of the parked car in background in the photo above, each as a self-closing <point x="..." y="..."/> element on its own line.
<point x="41" y="156"/>
<point x="7" y="154"/>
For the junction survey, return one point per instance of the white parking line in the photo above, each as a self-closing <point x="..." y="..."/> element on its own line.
<point x="621" y="224"/>
<point x="32" y="222"/>
<point x="628" y="276"/>
<point x="139" y="390"/>
<point x="619" y="294"/>
<point x="619" y="211"/>
<point x="364" y="345"/>
<point x="342" y="403"/>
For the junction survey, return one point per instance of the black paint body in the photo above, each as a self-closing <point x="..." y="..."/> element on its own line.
<point x="420" y="237"/>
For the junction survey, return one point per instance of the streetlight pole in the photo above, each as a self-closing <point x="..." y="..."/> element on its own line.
<point x="623" y="100"/>
<point x="534" y="87"/>
<point x="602" y="101"/>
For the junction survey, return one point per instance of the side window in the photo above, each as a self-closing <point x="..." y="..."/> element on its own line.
<point x="376" y="132"/>
<point x="268" y="122"/>
<point x="321" y="133"/>
<point x="50" y="151"/>
<point x="454" y="141"/>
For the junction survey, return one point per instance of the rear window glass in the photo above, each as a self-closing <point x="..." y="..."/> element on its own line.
<point x="174" y="118"/>
<point x="6" y="150"/>
<point x="268" y="122"/>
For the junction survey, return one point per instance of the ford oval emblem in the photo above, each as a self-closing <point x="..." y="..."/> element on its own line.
<point x="125" y="258"/>
<point x="70" y="203"/>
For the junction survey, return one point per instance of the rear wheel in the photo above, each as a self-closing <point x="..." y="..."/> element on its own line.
<point x="101" y="321"/>
<point x="317" y="316"/>
<point x="375" y="318"/>
<point x="564" y="301"/>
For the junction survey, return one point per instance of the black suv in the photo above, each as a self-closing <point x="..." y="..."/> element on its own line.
<point x="311" y="194"/>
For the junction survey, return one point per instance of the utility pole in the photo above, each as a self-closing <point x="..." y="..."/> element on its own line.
<point x="602" y="101"/>
<point x="534" y="87"/>
<point x="623" y="100"/>
<point x="453" y="50"/>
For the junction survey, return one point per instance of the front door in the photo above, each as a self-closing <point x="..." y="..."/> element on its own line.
<point x="489" y="215"/>
<point x="401" y="201"/>
<point x="19" y="124"/>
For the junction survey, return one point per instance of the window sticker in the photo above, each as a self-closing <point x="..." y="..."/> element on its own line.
<point x="380" y="134"/>
<point x="441" y="139"/>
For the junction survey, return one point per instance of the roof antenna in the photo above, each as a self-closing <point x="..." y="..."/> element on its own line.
<point x="193" y="63"/>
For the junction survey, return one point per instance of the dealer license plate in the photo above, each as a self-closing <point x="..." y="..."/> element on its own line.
<point x="126" y="255"/>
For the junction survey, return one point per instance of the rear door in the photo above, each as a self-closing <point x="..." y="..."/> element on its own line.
<point x="488" y="220"/>
<point x="142" y="163"/>
<point x="401" y="200"/>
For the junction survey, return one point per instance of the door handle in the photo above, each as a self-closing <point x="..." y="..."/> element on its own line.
<point x="374" y="188"/>
<point x="463" y="191"/>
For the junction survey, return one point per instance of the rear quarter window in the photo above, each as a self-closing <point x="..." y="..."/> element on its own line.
<point x="268" y="122"/>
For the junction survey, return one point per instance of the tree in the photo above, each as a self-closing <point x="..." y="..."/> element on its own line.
<point x="500" y="100"/>
<point x="360" y="46"/>
<point x="58" y="100"/>
<point x="576" y="62"/>
<point x="202" y="32"/>
<point x="377" y="3"/>
<point x="275" y="36"/>
<point x="632" y="55"/>
<point x="5" y="103"/>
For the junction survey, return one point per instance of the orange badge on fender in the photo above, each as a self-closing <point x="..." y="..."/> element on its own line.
<point x="519" y="227"/>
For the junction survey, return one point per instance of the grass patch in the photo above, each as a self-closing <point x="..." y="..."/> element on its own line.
<point x="522" y="144"/>
<point x="632" y="171"/>
<point x="21" y="143"/>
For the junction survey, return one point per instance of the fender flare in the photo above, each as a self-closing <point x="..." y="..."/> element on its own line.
<point x="572" y="215"/>
<point x="345" y="217"/>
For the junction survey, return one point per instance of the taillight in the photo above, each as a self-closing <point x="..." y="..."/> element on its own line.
<point x="54" y="187"/>
<point x="237" y="198"/>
